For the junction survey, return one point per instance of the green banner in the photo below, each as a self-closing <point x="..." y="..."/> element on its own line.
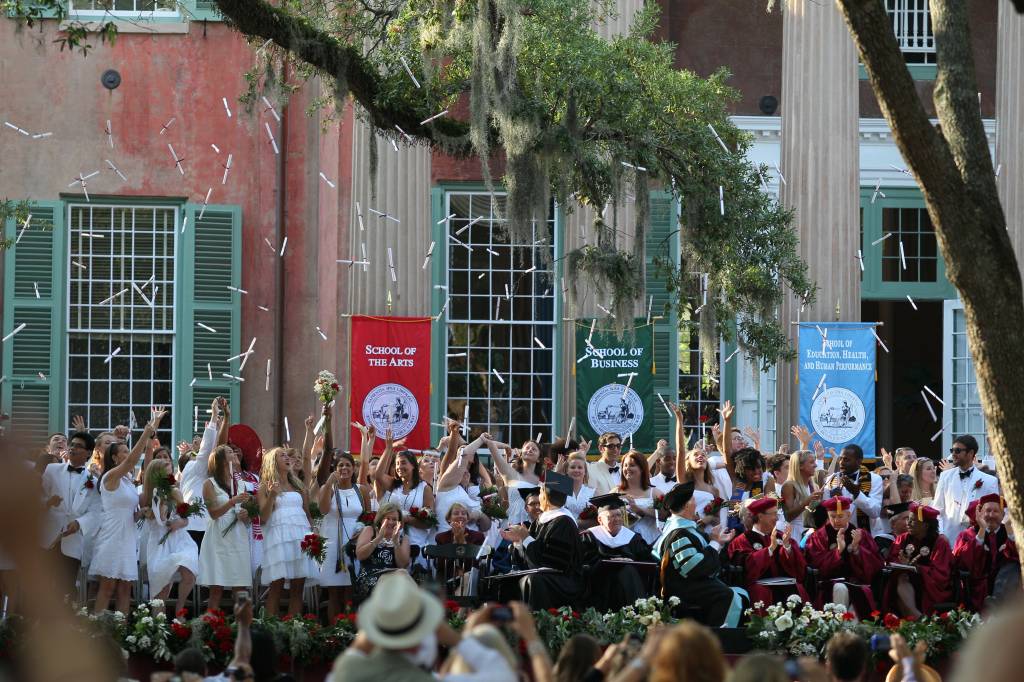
<point x="615" y="384"/>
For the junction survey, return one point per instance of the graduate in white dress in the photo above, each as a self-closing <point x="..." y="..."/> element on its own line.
<point x="575" y="467"/>
<point x="284" y="512"/>
<point x="643" y="501"/>
<point x="397" y="480"/>
<point x="343" y="501"/>
<point x="224" y="558"/>
<point x="524" y="475"/>
<point x="454" y="483"/>
<point x="170" y="552"/>
<point x="115" y="559"/>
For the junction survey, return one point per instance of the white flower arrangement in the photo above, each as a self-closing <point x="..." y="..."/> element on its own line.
<point x="326" y="386"/>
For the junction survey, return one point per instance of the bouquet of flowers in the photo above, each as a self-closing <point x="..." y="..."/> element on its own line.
<point x="424" y="515"/>
<point x="326" y="386"/>
<point x="490" y="504"/>
<point x="163" y="483"/>
<point x="589" y="512"/>
<point x="314" y="546"/>
<point x="713" y="507"/>
<point x="184" y="510"/>
<point x="252" y="508"/>
<point x="367" y="518"/>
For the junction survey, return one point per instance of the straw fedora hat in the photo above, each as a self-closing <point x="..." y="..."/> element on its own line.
<point x="928" y="674"/>
<point x="398" y="614"/>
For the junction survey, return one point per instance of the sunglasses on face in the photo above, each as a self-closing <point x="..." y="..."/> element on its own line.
<point x="613" y="446"/>
<point x="957" y="451"/>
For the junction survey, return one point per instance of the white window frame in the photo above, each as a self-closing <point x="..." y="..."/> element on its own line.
<point x="167" y="332"/>
<point x="966" y="419"/>
<point x="451" y="225"/>
<point x="698" y="371"/>
<point x="89" y="12"/>
<point x="912" y="28"/>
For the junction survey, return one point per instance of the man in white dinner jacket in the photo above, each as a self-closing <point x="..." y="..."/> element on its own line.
<point x="61" y="485"/>
<point x="959" y="486"/>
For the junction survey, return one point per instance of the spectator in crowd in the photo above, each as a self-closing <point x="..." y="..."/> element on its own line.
<point x="685" y="652"/>
<point x="846" y="657"/>
<point x="800" y="495"/>
<point x="923" y="475"/>
<point x="380" y="548"/>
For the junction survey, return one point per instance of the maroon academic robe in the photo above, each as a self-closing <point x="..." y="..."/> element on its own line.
<point x="933" y="580"/>
<point x="750" y="550"/>
<point x="856" y="570"/>
<point x="983" y="561"/>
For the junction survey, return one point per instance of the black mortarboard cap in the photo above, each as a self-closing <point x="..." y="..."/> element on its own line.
<point x="892" y="510"/>
<point x="526" y="492"/>
<point x="679" y="495"/>
<point x="611" y="501"/>
<point x="559" y="483"/>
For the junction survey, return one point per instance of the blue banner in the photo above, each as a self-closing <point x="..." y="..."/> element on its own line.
<point x="837" y="383"/>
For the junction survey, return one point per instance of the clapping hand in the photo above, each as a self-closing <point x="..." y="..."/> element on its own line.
<point x="773" y="540"/>
<point x="722" y="537"/>
<point x="886" y="458"/>
<point x="787" y="536"/>
<point x="841" y="542"/>
<point x="858" y="535"/>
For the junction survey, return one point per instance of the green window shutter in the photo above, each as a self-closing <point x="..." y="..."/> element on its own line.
<point x="204" y="9"/>
<point x="209" y="262"/>
<point x="36" y="262"/>
<point x="663" y="239"/>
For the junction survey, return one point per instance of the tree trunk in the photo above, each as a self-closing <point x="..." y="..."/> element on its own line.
<point x="953" y="166"/>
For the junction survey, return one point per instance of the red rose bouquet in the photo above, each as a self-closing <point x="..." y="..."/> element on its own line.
<point x="589" y="512"/>
<point x="367" y="518"/>
<point x="423" y="515"/>
<point x="184" y="510"/>
<point x="714" y="506"/>
<point x="314" y="546"/>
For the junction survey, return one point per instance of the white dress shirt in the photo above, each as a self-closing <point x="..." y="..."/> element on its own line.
<point x="194" y="475"/>
<point x="954" y="494"/>
<point x="661" y="484"/>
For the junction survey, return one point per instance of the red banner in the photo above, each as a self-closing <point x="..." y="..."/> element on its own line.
<point x="391" y="378"/>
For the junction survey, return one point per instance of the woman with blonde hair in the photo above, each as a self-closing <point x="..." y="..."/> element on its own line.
<point x="688" y="652"/>
<point x="575" y="467"/>
<point x="284" y="512"/>
<point x="799" y="493"/>
<point x="170" y="550"/>
<point x="925" y="475"/>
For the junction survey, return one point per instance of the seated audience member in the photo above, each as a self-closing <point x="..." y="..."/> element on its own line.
<point x="764" y="552"/>
<point x="381" y="548"/>
<point x="756" y="667"/>
<point x="578" y="660"/>
<point x="685" y="652"/>
<point x="401" y="626"/>
<point x="845" y="557"/>
<point x="847" y="656"/>
<point x="895" y="522"/>
<point x="552" y="542"/>
<point x="856" y="483"/>
<point x="992" y="651"/>
<point x="690" y="565"/>
<point x="459" y="533"/>
<point x="918" y="589"/>
<point x="613" y="586"/>
<point x="987" y="550"/>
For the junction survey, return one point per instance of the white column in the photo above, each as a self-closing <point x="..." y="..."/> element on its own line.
<point x="820" y="161"/>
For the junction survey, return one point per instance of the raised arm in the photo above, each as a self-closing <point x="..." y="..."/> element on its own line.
<point x="454" y="442"/>
<point x="382" y="481"/>
<point x="501" y="462"/>
<point x="730" y="464"/>
<point x="122" y="469"/>
<point x="452" y="476"/>
<point x="680" y="432"/>
<point x="363" y="472"/>
<point x="225" y="422"/>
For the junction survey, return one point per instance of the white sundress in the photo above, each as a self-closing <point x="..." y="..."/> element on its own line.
<point x="178" y="550"/>
<point x="577" y="502"/>
<point x="516" y="503"/>
<point x="224" y="558"/>
<point x="116" y="550"/>
<point x="647" y="527"/>
<point x="408" y="500"/>
<point x="283" y="532"/>
<point x="340" y="524"/>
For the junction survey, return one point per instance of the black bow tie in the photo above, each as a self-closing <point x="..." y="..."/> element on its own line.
<point x="75" y="470"/>
<point x="613" y="470"/>
<point x="670" y="479"/>
<point x="966" y="474"/>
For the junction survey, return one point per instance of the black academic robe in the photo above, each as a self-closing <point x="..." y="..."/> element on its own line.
<point x="614" y="586"/>
<point x="556" y="545"/>
<point x="689" y="570"/>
